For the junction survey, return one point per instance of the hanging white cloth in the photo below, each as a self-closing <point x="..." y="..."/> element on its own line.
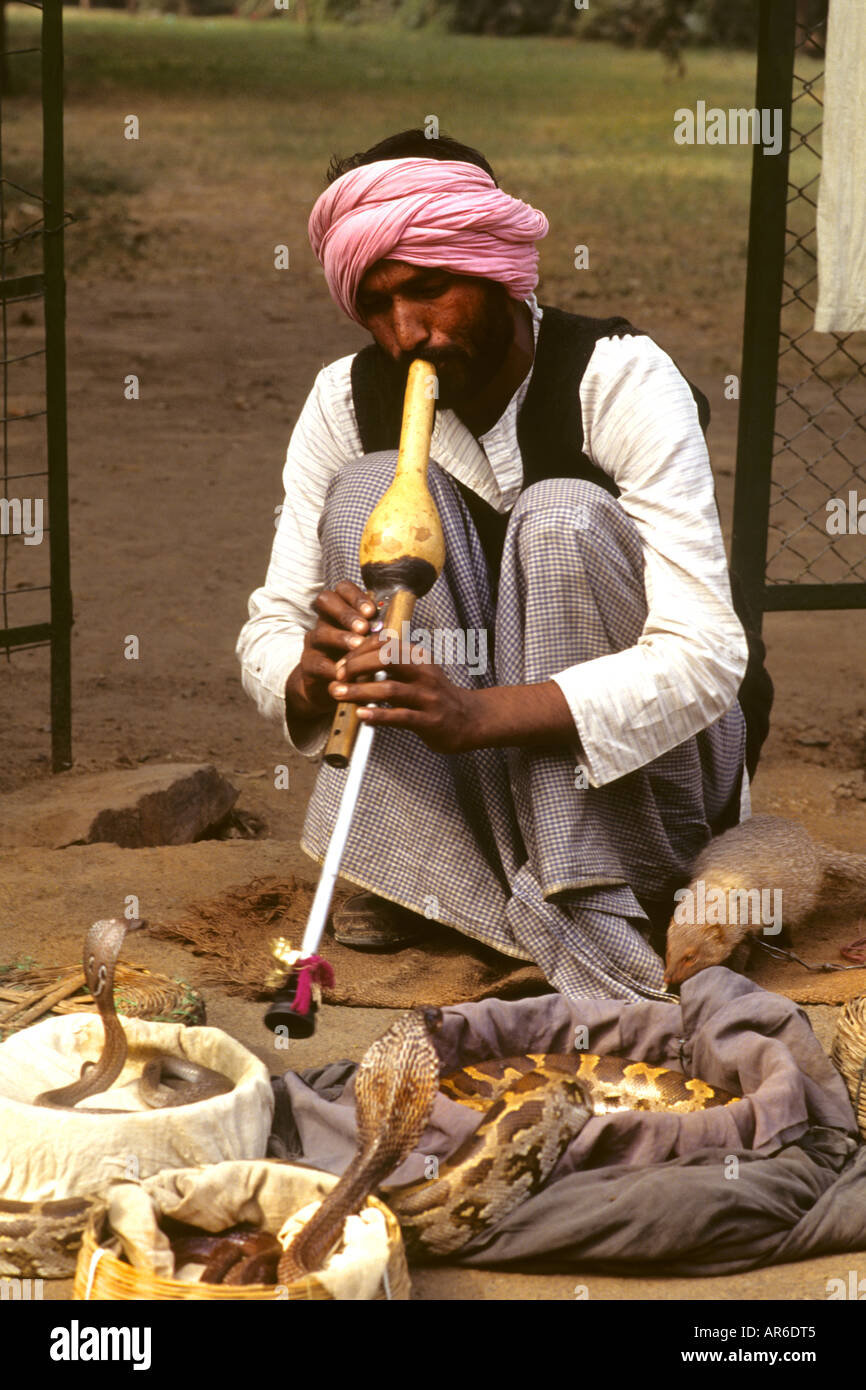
<point x="842" y="193"/>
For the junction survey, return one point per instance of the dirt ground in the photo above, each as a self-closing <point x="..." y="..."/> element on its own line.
<point x="173" y="500"/>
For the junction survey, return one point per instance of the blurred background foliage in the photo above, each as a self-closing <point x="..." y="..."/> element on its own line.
<point x="667" y="25"/>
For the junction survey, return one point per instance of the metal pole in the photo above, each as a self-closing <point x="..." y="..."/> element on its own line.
<point x="55" y="383"/>
<point x="764" y="279"/>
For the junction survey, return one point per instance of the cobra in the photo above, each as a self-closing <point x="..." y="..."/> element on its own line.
<point x="102" y="945"/>
<point x="532" y="1107"/>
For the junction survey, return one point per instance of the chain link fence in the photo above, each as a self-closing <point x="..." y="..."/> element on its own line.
<point x="820" y="450"/>
<point x="802" y="440"/>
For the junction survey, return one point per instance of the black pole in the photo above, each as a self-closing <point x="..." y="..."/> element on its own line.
<point x="764" y="278"/>
<point x="55" y="383"/>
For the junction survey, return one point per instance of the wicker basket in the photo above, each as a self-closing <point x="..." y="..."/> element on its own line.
<point x="849" y="1054"/>
<point x="101" y="1276"/>
<point x="27" y="995"/>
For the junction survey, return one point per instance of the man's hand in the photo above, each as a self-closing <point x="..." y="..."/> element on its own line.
<point x="421" y="695"/>
<point x="345" y="614"/>
<point x="446" y="717"/>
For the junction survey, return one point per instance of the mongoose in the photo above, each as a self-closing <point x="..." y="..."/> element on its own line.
<point x="764" y="875"/>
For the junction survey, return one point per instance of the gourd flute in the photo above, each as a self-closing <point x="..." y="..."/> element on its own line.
<point x="402" y="553"/>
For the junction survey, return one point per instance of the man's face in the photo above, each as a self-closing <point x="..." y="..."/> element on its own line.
<point x="462" y="324"/>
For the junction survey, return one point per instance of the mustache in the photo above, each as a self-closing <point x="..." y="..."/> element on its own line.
<point x="437" y="357"/>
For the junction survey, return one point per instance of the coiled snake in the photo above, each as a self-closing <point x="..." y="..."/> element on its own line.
<point x="533" y="1106"/>
<point x="102" y="946"/>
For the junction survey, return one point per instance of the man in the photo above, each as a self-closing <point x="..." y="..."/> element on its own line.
<point x="549" y="801"/>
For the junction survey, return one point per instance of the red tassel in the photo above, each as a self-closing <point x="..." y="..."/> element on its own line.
<point x="313" y="970"/>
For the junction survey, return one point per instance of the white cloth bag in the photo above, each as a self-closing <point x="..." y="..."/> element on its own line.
<point x="47" y="1153"/>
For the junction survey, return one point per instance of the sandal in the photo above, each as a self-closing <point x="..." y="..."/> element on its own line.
<point x="368" y="923"/>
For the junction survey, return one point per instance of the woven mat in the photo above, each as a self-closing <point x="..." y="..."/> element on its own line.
<point x="234" y="930"/>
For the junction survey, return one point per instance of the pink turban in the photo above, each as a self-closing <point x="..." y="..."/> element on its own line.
<point x="426" y="212"/>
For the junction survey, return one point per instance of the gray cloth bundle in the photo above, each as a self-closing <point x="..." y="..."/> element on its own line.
<point x="775" y="1178"/>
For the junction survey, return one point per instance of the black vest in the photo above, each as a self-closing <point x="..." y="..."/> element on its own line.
<point x="550" y="438"/>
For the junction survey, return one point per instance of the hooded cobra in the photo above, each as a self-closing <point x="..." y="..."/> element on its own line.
<point x="102" y="946"/>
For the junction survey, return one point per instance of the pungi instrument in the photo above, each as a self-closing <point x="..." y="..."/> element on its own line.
<point x="402" y="553"/>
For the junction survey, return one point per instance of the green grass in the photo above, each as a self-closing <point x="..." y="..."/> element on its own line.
<point x="583" y="130"/>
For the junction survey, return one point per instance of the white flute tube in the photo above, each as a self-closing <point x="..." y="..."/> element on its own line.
<point x="339" y="835"/>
